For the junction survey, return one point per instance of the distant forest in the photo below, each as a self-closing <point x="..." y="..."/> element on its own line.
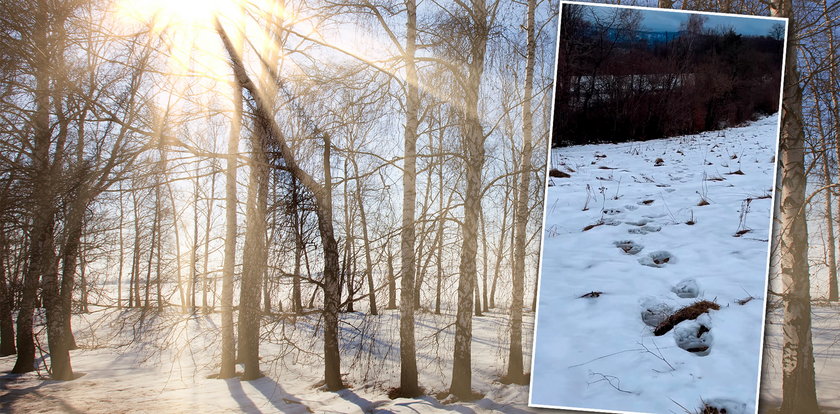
<point x="618" y="81"/>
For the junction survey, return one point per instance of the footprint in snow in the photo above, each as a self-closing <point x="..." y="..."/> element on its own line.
<point x="638" y="223"/>
<point x="611" y="221"/>
<point x="695" y="336"/>
<point x="645" y="229"/>
<point x="658" y="258"/>
<point x="629" y="246"/>
<point x="723" y="406"/>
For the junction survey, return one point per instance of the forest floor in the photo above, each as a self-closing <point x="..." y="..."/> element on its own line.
<point x="635" y="232"/>
<point x="130" y="362"/>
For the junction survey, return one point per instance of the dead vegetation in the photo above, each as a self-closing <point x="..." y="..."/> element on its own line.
<point x="592" y="226"/>
<point x="690" y="312"/>
<point x="558" y="174"/>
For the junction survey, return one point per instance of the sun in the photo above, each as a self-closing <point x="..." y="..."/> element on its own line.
<point x="187" y="29"/>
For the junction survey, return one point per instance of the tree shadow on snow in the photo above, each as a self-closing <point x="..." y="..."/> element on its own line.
<point x="12" y="395"/>
<point x="271" y="390"/>
<point x="364" y="404"/>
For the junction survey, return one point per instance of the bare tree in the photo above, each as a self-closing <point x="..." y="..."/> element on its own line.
<point x="798" y="389"/>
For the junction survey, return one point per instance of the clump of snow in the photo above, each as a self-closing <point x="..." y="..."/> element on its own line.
<point x="602" y="354"/>
<point x="686" y="288"/>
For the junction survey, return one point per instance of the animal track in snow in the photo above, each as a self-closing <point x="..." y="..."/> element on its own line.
<point x="724" y="406"/>
<point x="695" y="336"/>
<point x="658" y="258"/>
<point x="647" y="228"/>
<point x="629" y="246"/>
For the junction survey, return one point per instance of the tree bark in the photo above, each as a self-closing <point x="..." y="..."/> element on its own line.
<point x="43" y="221"/>
<point x="297" y="222"/>
<point x="409" y="386"/>
<point x="7" y="330"/>
<point x="798" y="385"/>
<point x="228" y="363"/>
<point x="254" y="256"/>
<point x="474" y="137"/>
<point x="515" y="373"/>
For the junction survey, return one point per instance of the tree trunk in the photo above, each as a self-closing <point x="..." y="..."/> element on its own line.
<point x="392" y="282"/>
<point x="254" y="259"/>
<point x="228" y="364"/>
<point x="798" y="386"/>
<point x="134" y="283"/>
<point x="178" y="265"/>
<point x="473" y="135"/>
<point x="409" y="386"/>
<point x="7" y="330"/>
<point x="205" y="306"/>
<point x="70" y="253"/>
<point x="332" y="293"/>
<point x="830" y="258"/>
<point x="515" y="373"/>
<point x="366" y="240"/>
<point x="43" y="220"/>
<point x="440" y="224"/>
<point x="297" y="222"/>
<point x="121" y="267"/>
<point x="59" y="353"/>
<point x="194" y="251"/>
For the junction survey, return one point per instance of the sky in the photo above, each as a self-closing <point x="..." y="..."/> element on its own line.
<point x="669" y="21"/>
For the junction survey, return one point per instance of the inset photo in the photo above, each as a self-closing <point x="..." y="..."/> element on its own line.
<point x="658" y="209"/>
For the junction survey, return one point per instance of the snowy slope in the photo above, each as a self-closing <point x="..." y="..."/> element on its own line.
<point x="648" y="237"/>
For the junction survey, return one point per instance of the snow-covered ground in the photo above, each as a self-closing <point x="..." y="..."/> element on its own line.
<point x="635" y="232"/>
<point x="165" y="368"/>
<point x="826" y="336"/>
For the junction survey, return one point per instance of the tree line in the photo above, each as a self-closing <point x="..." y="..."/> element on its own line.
<point x="616" y="82"/>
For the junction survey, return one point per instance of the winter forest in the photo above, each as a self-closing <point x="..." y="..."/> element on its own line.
<point x="310" y="196"/>
<point x="318" y="206"/>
